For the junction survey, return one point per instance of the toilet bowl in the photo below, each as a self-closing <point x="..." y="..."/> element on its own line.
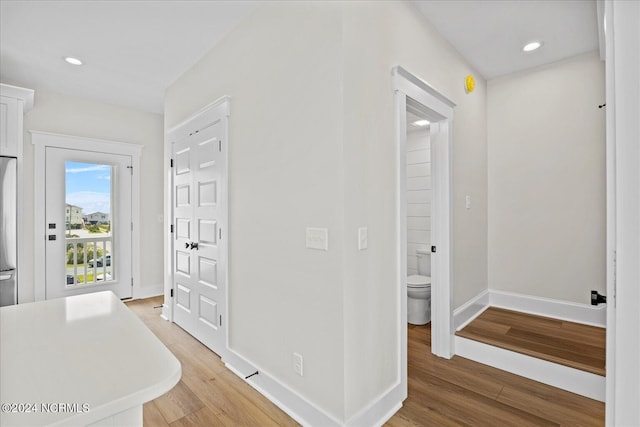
<point x="418" y="299"/>
<point x="419" y="291"/>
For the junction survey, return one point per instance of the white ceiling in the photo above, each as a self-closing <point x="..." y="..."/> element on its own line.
<point x="490" y="34"/>
<point x="133" y="50"/>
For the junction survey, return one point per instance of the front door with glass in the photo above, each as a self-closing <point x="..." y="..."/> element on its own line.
<point x="88" y="223"/>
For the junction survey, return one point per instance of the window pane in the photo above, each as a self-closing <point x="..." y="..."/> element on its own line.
<point x="88" y="223"/>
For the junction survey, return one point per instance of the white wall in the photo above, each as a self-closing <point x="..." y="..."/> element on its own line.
<point x="63" y="114"/>
<point x="547" y="180"/>
<point x="281" y="68"/>
<point x="418" y="196"/>
<point x="311" y="144"/>
<point x="377" y="37"/>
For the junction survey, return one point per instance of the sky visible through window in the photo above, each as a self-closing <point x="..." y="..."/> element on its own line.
<point x="88" y="185"/>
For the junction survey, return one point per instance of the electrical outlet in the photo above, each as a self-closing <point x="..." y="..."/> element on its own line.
<point x="297" y="364"/>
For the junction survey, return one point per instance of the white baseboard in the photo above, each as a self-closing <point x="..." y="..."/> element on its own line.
<point x="305" y="412"/>
<point x="294" y="405"/>
<point x="563" y="377"/>
<point x="142" y="292"/>
<point x="563" y="310"/>
<point x="380" y="410"/>
<point x="473" y="308"/>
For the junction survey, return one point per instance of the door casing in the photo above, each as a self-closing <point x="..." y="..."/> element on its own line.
<point x="410" y="90"/>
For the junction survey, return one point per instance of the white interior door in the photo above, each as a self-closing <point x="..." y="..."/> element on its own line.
<point x="88" y="223"/>
<point x="199" y="266"/>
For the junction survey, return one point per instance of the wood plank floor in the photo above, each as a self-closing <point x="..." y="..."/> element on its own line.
<point x="567" y="343"/>
<point x="456" y="392"/>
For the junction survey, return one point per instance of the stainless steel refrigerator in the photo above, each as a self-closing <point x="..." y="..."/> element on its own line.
<point x="8" y="231"/>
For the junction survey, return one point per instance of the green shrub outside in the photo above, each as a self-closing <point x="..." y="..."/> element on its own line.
<point x="81" y="253"/>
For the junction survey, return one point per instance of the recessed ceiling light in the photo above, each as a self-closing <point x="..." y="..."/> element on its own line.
<point x="530" y="47"/>
<point x="420" y="123"/>
<point x="73" y="61"/>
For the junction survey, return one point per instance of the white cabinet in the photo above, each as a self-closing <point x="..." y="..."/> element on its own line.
<point x="14" y="102"/>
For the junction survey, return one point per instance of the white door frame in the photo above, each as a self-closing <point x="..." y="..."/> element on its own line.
<point x="206" y="115"/>
<point x="611" y="214"/>
<point x="42" y="140"/>
<point x="407" y="86"/>
<point x="623" y="211"/>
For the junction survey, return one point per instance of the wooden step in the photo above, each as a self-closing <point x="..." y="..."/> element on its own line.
<point x="570" y="344"/>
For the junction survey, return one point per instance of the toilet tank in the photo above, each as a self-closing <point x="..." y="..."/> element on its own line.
<point x="424" y="262"/>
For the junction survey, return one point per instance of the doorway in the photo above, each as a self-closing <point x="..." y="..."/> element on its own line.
<point x="417" y="97"/>
<point x="199" y="226"/>
<point x="88" y="223"/>
<point x="87" y="209"/>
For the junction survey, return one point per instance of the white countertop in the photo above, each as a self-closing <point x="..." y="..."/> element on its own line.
<point x="87" y="352"/>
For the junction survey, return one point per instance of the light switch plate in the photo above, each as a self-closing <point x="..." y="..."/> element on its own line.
<point x="467" y="202"/>
<point x="363" y="238"/>
<point x="318" y="238"/>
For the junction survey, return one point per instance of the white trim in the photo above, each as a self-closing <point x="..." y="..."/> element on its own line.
<point x="167" y="305"/>
<point x="20" y="93"/>
<point x="423" y="85"/>
<point x="560" y="376"/>
<point x="566" y="378"/>
<point x="304" y="411"/>
<point x="623" y="110"/>
<point x="473" y="308"/>
<point x="378" y="411"/>
<point x="440" y="110"/>
<point x="292" y="403"/>
<point x="556" y="309"/>
<point x="562" y="310"/>
<point x="47" y="139"/>
<point x="42" y="140"/>
<point x="220" y="108"/>
<point x="610" y="147"/>
<point x="401" y="240"/>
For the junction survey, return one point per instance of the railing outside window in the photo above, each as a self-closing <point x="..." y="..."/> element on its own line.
<point x="89" y="260"/>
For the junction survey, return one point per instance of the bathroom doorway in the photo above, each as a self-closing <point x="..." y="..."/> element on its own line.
<point x="416" y="99"/>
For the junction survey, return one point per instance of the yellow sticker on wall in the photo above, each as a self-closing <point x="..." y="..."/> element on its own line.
<point x="469" y="83"/>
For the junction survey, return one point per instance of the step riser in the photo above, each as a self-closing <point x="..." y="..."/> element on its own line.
<point x="556" y="375"/>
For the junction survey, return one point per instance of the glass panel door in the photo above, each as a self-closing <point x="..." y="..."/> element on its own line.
<point x="88" y="223"/>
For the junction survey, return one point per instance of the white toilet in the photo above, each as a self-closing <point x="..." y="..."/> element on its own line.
<point x="419" y="291"/>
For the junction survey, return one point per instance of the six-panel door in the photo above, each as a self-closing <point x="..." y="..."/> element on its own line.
<point x="198" y="282"/>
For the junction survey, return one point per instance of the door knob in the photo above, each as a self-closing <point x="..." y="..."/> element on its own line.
<point x="186" y="245"/>
<point x="194" y="245"/>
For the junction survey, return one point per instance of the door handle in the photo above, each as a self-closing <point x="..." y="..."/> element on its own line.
<point x="186" y="245"/>
<point x="194" y="245"/>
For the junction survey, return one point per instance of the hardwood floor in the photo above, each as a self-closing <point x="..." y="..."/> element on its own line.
<point x="454" y="392"/>
<point x="567" y="343"/>
<point x="463" y="392"/>
<point x="208" y="393"/>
